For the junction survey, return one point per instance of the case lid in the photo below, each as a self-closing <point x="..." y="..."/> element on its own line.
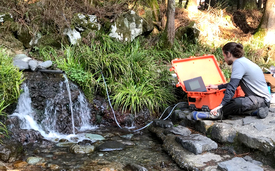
<point x="204" y="66"/>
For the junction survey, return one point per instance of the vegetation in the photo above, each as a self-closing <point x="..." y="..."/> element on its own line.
<point x="10" y="80"/>
<point x="136" y="73"/>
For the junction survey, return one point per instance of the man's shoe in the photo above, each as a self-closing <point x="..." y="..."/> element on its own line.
<point x="199" y="115"/>
<point x="261" y="113"/>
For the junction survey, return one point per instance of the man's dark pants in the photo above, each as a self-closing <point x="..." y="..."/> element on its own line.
<point x="243" y="105"/>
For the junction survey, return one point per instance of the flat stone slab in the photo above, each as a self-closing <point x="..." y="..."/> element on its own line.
<point x="186" y="159"/>
<point x="196" y="143"/>
<point x="178" y="130"/>
<point x="238" y="164"/>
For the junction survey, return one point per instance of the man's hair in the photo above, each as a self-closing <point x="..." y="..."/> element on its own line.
<point x="236" y="49"/>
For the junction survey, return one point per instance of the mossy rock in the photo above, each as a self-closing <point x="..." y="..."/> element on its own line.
<point x="53" y="40"/>
<point x="189" y="32"/>
<point x="24" y="36"/>
<point x="5" y="17"/>
<point x="8" y="41"/>
<point x="83" y="22"/>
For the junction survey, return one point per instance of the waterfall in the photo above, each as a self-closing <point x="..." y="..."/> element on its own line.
<point x="70" y="104"/>
<point x="46" y="123"/>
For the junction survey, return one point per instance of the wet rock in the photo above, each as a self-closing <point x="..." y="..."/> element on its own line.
<point x="64" y="144"/>
<point x="19" y="164"/>
<point x="10" y="151"/>
<point x="178" y="130"/>
<point x="223" y="133"/>
<point x="111" y="146"/>
<point x="54" y="166"/>
<point x="103" y="165"/>
<point x="81" y="149"/>
<point x="26" y="136"/>
<point x="127" y="136"/>
<point x="127" y="143"/>
<point x="135" y="167"/>
<point x="35" y="160"/>
<point x="238" y="164"/>
<point x="94" y="137"/>
<point x="186" y="159"/>
<point x="162" y="123"/>
<point x="196" y="143"/>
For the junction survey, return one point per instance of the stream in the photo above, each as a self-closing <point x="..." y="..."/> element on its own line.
<point x="54" y="122"/>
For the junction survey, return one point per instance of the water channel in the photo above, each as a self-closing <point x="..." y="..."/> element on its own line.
<point x="64" y="149"/>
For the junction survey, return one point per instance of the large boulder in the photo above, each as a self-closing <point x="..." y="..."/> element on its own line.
<point x="129" y="26"/>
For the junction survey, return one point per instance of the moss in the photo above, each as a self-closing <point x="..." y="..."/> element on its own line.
<point x="24" y="36"/>
<point x="260" y="34"/>
<point x="188" y="33"/>
<point x="53" y="40"/>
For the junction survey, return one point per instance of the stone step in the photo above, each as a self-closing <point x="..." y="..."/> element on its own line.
<point x="198" y="152"/>
<point x="247" y="130"/>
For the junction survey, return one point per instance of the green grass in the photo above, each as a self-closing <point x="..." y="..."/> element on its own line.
<point x="10" y="80"/>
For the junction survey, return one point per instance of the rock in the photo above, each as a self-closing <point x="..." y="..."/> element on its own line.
<point x="54" y="166"/>
<point x="128" y="136"/>
<point x="33" y="64"/>
<point x="163" y="123"/>
<point x="196" y="143"/>
<point x="238" y="164"/>
<point x="10" y="151"/>
<point x="128" y="26"/>
<point x="35" y="160"/>
<point x="249" y="159"/>
<point x="65" y="144"/>
<point x="223" y="133"/>
<point x="19" y="164"/>
<point x="21" y="64"/>
<point x="134" y="167"/>
<point x="35" y="39"/>
<point x="111" y="146"/>
<point x="81" y="149"/>
<point x="45" y="65"/>
<point x="186" y="159"/>
<point x="178" y="130"/>
<point x="83" y="22"/>
<point x="5" y="17"/>
<point x="73" y="35"/>
<point x="94" y="137"/>
<point x="21" y="61"/>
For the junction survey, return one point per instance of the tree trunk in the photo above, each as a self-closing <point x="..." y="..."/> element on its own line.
<point x="260" y="4"/>
<point x="267" y="23"/>
<point x="170" y="25"/>
<point x="180" y="3"/>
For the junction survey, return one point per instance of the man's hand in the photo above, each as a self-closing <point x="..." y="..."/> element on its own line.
<point x="211" y="86"/>
<point x="215" y="110"/>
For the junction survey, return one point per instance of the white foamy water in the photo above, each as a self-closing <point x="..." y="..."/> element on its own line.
<point x="47" y="127"/>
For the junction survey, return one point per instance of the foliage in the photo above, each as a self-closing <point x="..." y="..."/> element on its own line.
<point x="10" y="81"/>
<point x="136" y="77"/>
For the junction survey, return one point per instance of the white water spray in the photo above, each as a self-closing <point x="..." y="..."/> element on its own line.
<point x="48" y="125"/>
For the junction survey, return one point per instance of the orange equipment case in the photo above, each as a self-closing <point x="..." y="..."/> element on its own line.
<point x="206" y="67"/>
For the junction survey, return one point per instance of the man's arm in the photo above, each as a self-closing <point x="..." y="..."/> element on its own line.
<point x="230" y="90"/>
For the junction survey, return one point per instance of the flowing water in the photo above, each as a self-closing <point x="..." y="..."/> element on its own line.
<point x="71" y="103"/>
<point x="56" y="153"/>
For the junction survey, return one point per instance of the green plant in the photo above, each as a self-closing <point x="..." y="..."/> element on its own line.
<point x="10" y="81"/>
